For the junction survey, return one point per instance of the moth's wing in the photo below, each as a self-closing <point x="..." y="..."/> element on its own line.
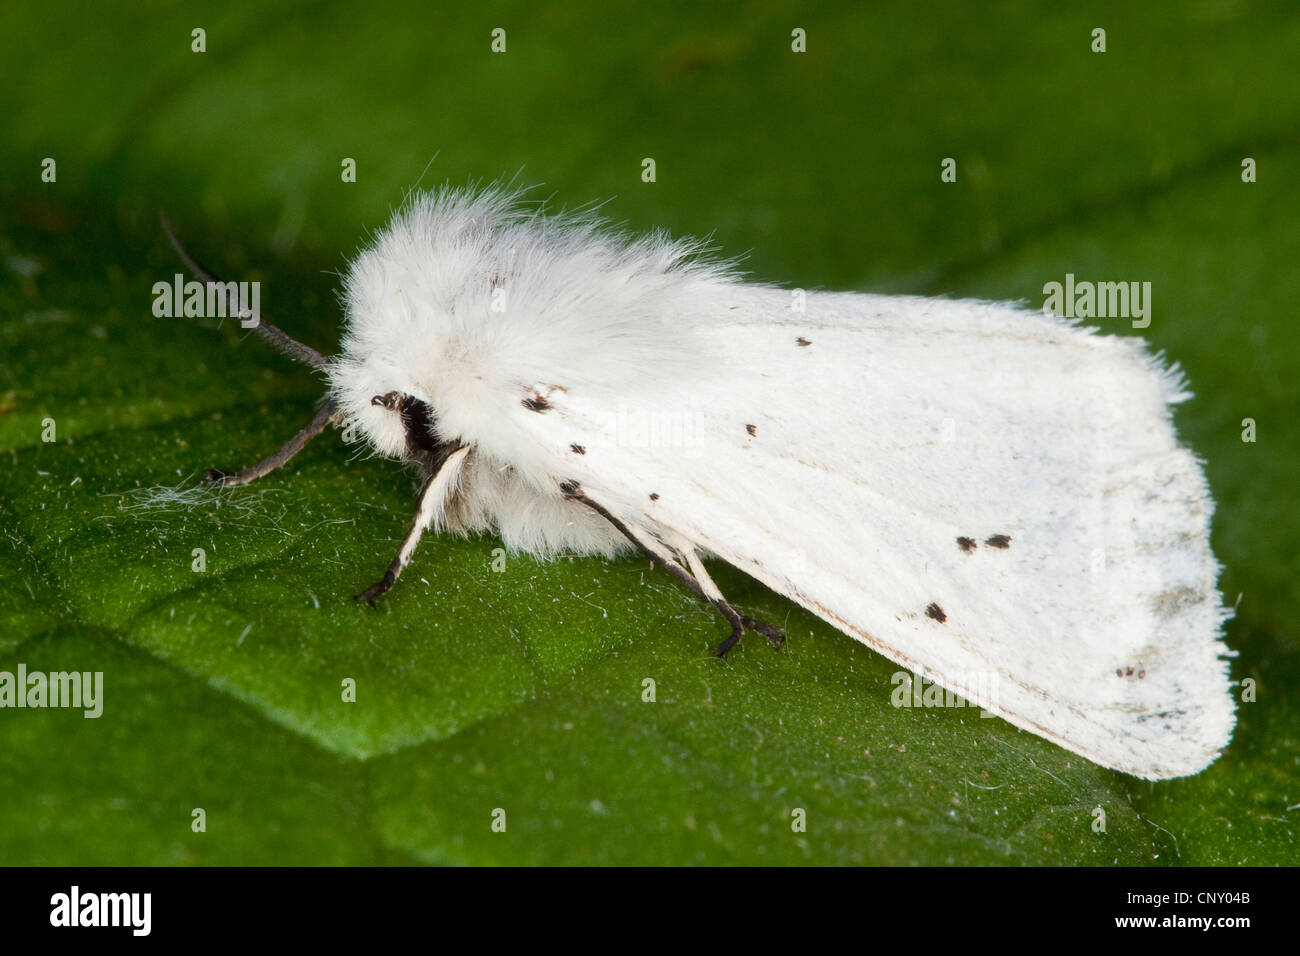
<point x="992" y="498"/>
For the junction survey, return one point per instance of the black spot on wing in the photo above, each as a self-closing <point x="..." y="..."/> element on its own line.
<point x="802" y="342"/>
<point x="570" y="487"/>
<point x="752" y="429"/>
<point x="536" y="404"/>
<point x="966" y="544"/>
<point x="578" y="449"/>
<point x="934" y="611"/>
<point x="1002" y="541"/>
<point x="654" y="496"/>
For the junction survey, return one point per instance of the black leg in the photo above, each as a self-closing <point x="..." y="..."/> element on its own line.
<point x="290" y="448"/>
<point x="372" y="593"/>
<point x="740" y="623"/>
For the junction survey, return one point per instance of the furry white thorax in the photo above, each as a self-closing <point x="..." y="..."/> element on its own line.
<point x="472" y="301"/>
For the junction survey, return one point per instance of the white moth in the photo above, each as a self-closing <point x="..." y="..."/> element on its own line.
<point x="970" y="488"/>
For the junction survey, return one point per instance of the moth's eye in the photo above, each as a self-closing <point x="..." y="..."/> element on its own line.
<point x="391" y="401"/>
<point x="420" y="424"/>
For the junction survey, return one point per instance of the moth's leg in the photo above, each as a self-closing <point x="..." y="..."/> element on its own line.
<point x="652" y="550"/>
<point x="432" y="495"/>
<point x="773" y="634"/>
<point x="696" y="580"/>
<point x="290" y="448"/>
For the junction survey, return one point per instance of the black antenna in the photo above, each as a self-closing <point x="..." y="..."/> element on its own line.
<point x="290" y="347"/>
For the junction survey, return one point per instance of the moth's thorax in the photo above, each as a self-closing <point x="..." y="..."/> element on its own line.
<point x="471" y="304"/>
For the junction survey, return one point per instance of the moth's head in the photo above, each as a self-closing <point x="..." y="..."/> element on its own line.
<point x="379" y="406"/>
<point x="383" y="377"/>
<point x="466" y="302"/>
<point x="373" y="390"/>
<point x="410" y="361"/>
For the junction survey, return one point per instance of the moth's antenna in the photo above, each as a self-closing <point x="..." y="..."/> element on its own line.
<point x="290" y="347"/>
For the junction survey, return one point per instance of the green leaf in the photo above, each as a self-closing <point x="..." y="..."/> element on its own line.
<point x="522" y="691"/>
